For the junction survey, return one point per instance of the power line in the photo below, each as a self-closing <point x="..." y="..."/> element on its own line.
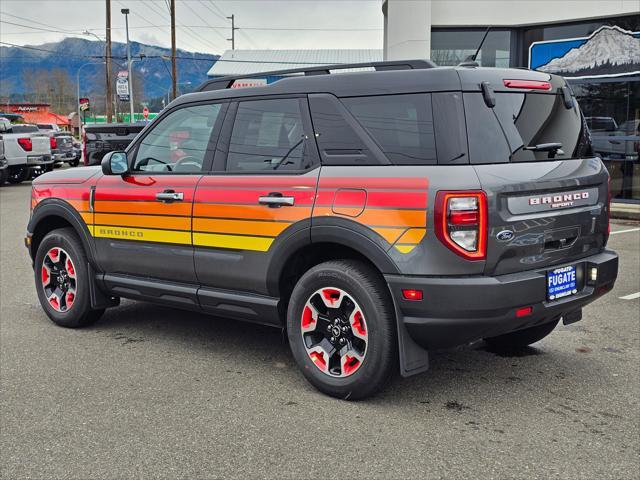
<point x="29" y="20"/>
<point x="204" y="21"/>
<point x="60" y="54"/>
<point x="35" y="28"/>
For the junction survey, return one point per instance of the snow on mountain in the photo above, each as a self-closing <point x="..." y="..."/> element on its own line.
<point x="610" y="45"/>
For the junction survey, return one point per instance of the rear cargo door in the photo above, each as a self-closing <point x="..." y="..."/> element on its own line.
<point x="41" y="144"/>
<point x="547" y="193"/>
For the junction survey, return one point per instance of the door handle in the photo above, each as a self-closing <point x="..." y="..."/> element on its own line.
<point x="276" y="200"/>
<point x="169" y="196"/>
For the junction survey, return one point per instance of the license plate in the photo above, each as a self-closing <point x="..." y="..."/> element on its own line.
<point x="562" y="282"/>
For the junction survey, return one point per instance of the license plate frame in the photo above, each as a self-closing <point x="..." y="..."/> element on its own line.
<point x="562" y="282"/>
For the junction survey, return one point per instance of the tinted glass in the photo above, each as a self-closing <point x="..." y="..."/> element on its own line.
<point x="23" y="128"/>
<point x="402" y="125"/>
<point x="520" y="124"/>
<point x="450" y="47"/>
<point x="268" y="135"/>
<point x="180" y="142"/>
<point x="45" y="126"/>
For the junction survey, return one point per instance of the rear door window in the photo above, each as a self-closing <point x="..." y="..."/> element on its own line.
<point x="520" y="124"/>
<point x="402" y="126"/>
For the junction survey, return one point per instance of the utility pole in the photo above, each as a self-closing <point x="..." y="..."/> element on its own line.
<point x="125" y="12"/>
<point x="107" y="54"/>
<point x="233" y="31"/>
<point x="174" y="71"/>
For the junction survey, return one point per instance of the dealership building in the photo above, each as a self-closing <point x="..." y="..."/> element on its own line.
<point x="594" y="44"/>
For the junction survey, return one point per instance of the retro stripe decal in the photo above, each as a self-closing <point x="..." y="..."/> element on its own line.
<point x="240" y="242"/>
<point x="141" y="234"/>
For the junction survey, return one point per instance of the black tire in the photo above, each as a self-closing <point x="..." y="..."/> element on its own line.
<point x="79" y="313"/>
<point x="366" y="286"/>
<point x="18" y="174"/>
<point x="74" y="163"/>
<point x="521" y="338"/>
<point x="4" y="175"/>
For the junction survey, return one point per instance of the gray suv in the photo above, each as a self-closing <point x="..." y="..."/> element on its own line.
<point x="373" y="215"/>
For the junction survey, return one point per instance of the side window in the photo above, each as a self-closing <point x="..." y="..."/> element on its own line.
<point x="401" y="124"/>
<point x="180" y="142"/>
<point x="268" y="135"/>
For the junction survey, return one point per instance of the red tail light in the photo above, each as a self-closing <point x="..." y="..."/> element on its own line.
<point x="53" y="142"/>
<point x="26" y="144"/>
<point x="527" y="84"/>
<point x="411" y="294"/>
<point x="461" y="223"/>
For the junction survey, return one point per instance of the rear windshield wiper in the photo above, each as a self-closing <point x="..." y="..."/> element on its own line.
<point x="552" y="148"/>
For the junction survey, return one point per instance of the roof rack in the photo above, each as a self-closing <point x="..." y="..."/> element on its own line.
<point x="226" y="82"/>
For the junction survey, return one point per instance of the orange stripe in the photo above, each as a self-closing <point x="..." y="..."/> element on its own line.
<point x="251" y="212"/>
<point x="144" y="208"/>
<point x="80" y="205"/>
<point x="144" y="221"/>
<point x="389" y="234"/>
<point x="383" y="217"/>
<point x="87" y="217"/>
<point x="413" y="236"/>
<point x="243" y="227"/>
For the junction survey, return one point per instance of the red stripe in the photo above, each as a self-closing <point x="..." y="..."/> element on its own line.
<point x="250" y="197"/>
<point x="378" y="199"/>
<point x="259" y="181"/>
<point x="140" y="194"/>
<point x="374" y="182"/>
<point x="156" y="181"/>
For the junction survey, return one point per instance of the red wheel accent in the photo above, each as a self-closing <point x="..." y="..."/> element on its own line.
<point x="358" y="324"/>
<point x="318" y="359"/>
<point x="53" y="254"/>
<point x="70" y="270"/>
<point x="350" y="365"/>
<point x="53" y="300"/>
<point x="45" y="275"/>
<point x="69" y="299"/>
<point x="307" y="318"/>
<point x="331" y="295"/>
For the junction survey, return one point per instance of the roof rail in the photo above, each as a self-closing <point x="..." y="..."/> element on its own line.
<point x="226" y="82"/>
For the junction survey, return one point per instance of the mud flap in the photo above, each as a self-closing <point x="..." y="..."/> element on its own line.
<point x="413" y="358"/>
<point x="99" y="299"/>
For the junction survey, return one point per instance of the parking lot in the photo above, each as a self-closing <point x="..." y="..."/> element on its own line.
<point x="155" y="392"/>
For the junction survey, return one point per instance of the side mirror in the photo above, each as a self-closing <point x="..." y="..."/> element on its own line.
<point x="115" y="163"/>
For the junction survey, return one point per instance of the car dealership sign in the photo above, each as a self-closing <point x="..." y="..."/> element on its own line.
<point x="122" y="86"/>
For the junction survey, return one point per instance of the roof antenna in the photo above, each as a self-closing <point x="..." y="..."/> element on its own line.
<point x="470" y="61"/>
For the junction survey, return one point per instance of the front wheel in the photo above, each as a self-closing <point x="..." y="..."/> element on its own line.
<point x="341" y="329"/>
<point x="521" y="338"/>
<point x="62" y="280"/>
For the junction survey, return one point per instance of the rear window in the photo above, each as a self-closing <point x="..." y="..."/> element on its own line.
<point x="23" y="129"/>
<point x="402" y="125"/>
<point x="520" y="125"/>
<point x="45" y="126"/>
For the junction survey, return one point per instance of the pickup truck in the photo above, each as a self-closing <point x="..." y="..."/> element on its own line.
<point x="98" y="140"/>
<point x="62" y="149"/>
<point x="26" y="150"/>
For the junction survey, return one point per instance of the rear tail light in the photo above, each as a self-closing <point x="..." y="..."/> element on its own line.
<point x="527" y="84"/>
<point x="53" y="142"/>
<point x="461" y="223"/>
<point x="26" y="144"/>
<point x="608" y="209"/>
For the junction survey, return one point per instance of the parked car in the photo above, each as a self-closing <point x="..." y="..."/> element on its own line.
<point x="4" y="165"/>
<point x="48" y="127"/>
<point x="98" y="140"/>
<point x="373" y="215"/>
<point x="619" y="143"/>
<point x="77" y="151"/>
<point x="27" y="151"/>
<point x="62" y="149"/>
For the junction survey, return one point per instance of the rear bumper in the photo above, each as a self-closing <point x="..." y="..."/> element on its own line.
<point x="458" y="310"/>
<point x="37" y="160"/>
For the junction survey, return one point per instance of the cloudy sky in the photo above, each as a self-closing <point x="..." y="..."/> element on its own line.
<point x="265" y="24"/>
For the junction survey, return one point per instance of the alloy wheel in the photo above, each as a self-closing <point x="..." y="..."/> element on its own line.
<point x="59" y="281"/>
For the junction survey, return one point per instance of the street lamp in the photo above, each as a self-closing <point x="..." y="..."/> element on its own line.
<point x="169" y="90"/>
<point x="78" y="84"/>
<point x="125" y="12"/>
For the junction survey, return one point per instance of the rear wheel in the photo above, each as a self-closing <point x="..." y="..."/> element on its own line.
<point x="521" y="338"/>
<point x="341" y="329"/>
<point x="62" y="280"/>
<point x="74" y="163"/>
<point x="4" y="174"/>
<point x="18" y="174"/>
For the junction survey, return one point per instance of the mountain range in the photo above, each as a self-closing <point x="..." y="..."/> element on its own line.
<point x="609" y="48"/>
<point x="69" y="54"/>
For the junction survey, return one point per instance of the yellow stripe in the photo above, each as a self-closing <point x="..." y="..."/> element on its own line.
<point x="238" y="242"/>
<point x="141" y="234"/>
<point x="405" y="248"/>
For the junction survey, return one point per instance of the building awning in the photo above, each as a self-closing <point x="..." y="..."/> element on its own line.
<point x="44" y="117"/>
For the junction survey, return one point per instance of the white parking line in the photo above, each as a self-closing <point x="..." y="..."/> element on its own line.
<point x="626" y="231"/>
<point x="633" y="296"/>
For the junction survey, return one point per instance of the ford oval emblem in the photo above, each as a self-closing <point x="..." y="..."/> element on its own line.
<point x="505" y="235"/>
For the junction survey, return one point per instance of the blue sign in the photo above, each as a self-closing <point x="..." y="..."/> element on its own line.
<point x="610" y="51"/>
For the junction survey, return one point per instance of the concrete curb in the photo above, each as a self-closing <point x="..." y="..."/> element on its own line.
<point x="626" y="211"/>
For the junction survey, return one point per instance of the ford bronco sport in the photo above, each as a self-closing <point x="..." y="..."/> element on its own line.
<point x="374" y="215"/>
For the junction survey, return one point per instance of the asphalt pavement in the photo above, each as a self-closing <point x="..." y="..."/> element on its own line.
<point x="153" y="392"/>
